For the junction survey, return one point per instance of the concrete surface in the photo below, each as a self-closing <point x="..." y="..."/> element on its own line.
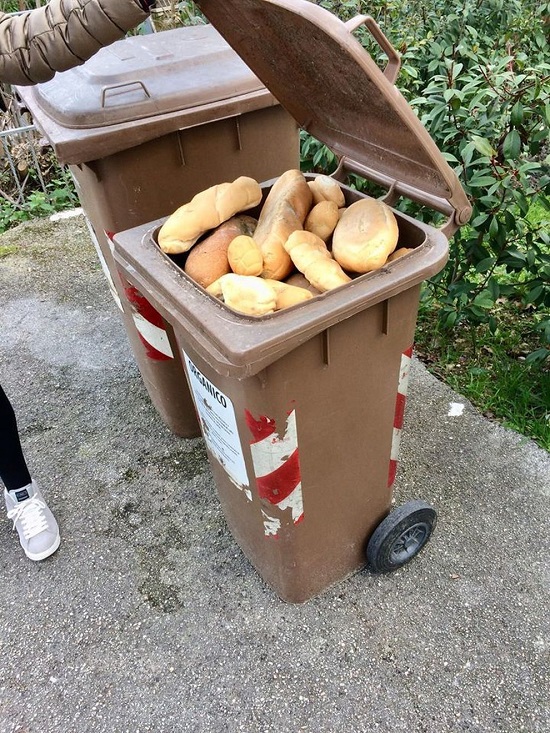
<point x="150" y="619"/>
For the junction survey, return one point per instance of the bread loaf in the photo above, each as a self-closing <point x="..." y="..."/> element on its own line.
<point x="285" y="210"/>
<point x="299" y="280"/>
<point x="365" y="236"/>
<point x="207" y="210"/>
<point x="288" y="295"/>
<point x="325" y="188"/>
<point x="250" y="295"/>
<point x="399" y="253"/>
<point x="245" y="257"/>
<point x="322" y="219"/>
<point x="312" y="258"/>
<point x="208" y="259"/>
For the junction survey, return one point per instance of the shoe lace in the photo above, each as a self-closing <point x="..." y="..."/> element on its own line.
<point x="29" y="513"/>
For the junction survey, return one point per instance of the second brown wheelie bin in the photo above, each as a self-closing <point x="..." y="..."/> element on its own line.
<point x="144" y="125"/>
<point x="302" y="409"/>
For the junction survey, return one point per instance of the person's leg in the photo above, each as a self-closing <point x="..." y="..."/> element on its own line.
<point x="13" y="468"/>
<point x="34" y="522"/>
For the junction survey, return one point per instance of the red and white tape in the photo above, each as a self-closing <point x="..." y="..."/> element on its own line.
<point x="401" y="399"/>
<point x="150" y="325"/>
<point x="276" y="462"/>
<point x="148" y="321"/>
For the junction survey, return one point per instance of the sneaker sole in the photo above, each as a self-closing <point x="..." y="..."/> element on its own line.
<point x="46" y="553"/>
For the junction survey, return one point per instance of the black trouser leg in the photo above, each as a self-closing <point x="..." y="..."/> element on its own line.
<point x="13" y="468"/>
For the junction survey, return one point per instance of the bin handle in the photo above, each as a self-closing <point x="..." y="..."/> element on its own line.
<point x="394" y="57"/>
<point x="112" y="88"/>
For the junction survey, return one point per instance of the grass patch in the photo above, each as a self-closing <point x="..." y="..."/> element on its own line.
<point x="7" y="249"/>
<point x="490" y="369"/>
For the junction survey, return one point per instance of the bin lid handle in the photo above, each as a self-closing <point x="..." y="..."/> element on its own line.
<point x="393" y="66"/>
<point x="109" y="91"/>
<point x="456" y="207"/>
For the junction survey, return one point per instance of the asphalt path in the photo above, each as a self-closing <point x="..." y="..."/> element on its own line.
<point x="149" y="619"/>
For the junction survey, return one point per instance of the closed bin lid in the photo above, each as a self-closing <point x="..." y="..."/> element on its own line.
<point x="321" y="74"/>
<point x="147" y="75"/>
<point x="141" y="88"/>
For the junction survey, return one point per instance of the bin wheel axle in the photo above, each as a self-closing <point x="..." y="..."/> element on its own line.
<point x="401" y="536"/>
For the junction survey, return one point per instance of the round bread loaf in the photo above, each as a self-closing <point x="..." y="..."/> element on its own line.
<point x="365" y="236"/>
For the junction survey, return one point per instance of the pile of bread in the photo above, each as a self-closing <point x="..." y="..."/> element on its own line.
<point x="306" y="240"/>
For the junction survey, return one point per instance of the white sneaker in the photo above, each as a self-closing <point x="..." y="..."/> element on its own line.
<point x="36" y="525"/>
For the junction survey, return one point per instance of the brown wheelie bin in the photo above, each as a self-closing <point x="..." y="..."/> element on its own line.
<point x="301" y="409"/>
<point x="144" y="125"/>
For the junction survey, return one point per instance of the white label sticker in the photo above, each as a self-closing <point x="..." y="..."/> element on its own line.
<point x="219" y="425"/>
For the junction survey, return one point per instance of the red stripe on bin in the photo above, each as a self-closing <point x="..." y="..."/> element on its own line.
<point x="143" y="307"/>
<point x="392" y="472"/>
<point x="279" y="484"/>
<point x="260" y="428"/>
<point x="399" y="410"/>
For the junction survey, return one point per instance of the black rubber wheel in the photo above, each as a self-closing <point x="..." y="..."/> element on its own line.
<point x="401" y="536"/>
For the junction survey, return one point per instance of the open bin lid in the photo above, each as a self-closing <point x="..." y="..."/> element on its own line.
<point x="327" y="81"/>
<point x="140" y="88"/>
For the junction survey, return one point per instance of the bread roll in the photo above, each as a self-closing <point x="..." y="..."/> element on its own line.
<point x="252" y="296"/>
<point x="365" y="236"/>
<point x="325" y="188"/>
<point x="208" y="260"/>
<point x="245" y="257"/>
<point x="399" y="253"/>
<point x="285" y="210"/>
<point x="207" y="210"/>
<point x="322" y="219"/>
<point x="299" y="280"/>
<point x="311" y="256"/>
<point x="288" y="295"/>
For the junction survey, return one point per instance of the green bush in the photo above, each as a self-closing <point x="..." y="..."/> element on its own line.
<point x="477" y="74"/>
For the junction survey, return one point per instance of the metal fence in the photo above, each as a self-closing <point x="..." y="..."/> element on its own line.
<point x="21" y="169"/>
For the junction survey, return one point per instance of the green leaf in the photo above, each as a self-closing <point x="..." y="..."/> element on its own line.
<point x="516" y="115"/>
<point x="493" y="227"/>
<point x="483" y="145"/>
<point x="512" y="145"/>
<point x="485" y="265"/>
<point x="538" y="356"/>
<point x="481" y="181"/>
<point x="534" y="294"/>
<point x="484" y="300"/>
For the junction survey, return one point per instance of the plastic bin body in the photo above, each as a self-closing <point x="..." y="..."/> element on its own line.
<point x="300" y="410"/>
<point x="144" y="126"/>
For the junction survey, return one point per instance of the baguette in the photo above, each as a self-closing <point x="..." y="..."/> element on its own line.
<point x="285" y="210"/>
<point x="288" y="295"/>
<point x="250" y="295"/>
<point x="207" y="210"/>
<point x="311" y="256"/>
<point x="209" y="259"/>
